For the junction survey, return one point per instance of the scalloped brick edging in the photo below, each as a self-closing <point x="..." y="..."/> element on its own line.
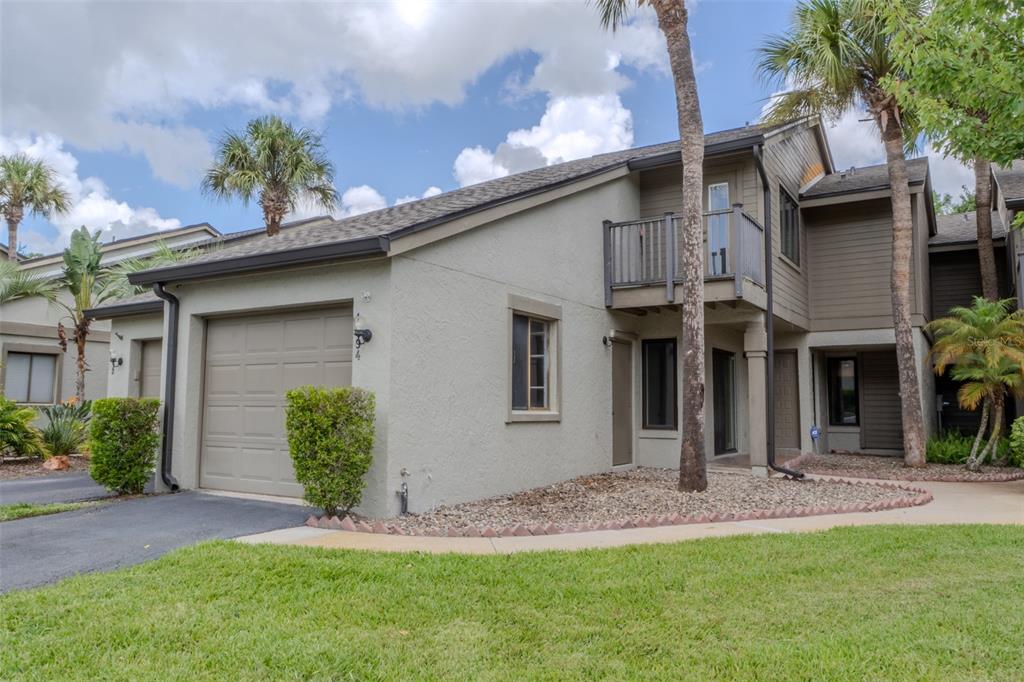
<point x="911" y="475"/>
<point x="519" y="530"/>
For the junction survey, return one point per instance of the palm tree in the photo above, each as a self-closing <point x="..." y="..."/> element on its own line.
<point x="163" y="255"/>
<point x="834" y="57"/>
<point x="672" y="19"/>
<point x="985" y="345"/>
<point x="27" y="183"/>
<point x="276" y="162"/>
<point x="15" y="284"/>
<point x="90" y="285"/>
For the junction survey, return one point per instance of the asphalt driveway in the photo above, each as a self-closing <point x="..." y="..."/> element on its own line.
<point x="70" y="487"/>
<point x="43" y="549"/>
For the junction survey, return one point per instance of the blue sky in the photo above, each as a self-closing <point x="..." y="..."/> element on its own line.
<point x="406" y="94"/>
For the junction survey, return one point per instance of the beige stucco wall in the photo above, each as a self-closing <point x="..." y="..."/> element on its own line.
<point x="127" y="345"/>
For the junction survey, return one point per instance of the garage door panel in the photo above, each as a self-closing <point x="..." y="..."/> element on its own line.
<point x="253" y="362"/>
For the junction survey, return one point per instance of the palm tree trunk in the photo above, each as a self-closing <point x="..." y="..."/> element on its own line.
<point x="981" y="430"/>
<point x="672" y="19"/>
<point x="983" y="213"/>
<point x="902" y="253"/>
<point x="275" y="205"/>
<point x="993" y="438"/>
<point x="13" y="215"/>
<point x="81" y="337"/>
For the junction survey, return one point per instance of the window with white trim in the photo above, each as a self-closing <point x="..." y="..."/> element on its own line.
<point x="30" y="377"/>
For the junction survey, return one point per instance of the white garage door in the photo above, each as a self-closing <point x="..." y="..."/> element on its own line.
<point x="250" y="363"/>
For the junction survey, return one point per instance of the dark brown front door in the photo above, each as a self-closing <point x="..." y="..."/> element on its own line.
<point x="622" y="403"/>
<point x="881" y="421"/>
<point x="787" y="401"/>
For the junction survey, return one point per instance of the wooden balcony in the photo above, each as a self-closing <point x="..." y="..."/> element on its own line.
<point x="642" y="259"/>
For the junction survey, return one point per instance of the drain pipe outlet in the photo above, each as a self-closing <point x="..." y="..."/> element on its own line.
<point x="170" y="382"/>
<point x="769" y="319"/>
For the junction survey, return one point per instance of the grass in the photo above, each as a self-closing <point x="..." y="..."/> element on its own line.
<point x="882" y="603"/>
<point x="23" y="510"/>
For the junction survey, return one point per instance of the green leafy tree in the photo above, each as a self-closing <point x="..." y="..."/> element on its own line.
<point x="945" y="204"/>
<point x="984" y="344"/>
<point x="837" y="55"/>
<point x="672" y="19"/>
<point x="276" y="163"/>
<point x="27" y="184"/>
<point x="960" y="70"/>
<point x="16" y="283"/>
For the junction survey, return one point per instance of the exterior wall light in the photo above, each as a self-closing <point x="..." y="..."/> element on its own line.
<point x="362" y="334"/>
<point x="115" y="361"/>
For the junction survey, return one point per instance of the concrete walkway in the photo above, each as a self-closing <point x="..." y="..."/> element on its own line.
<point x="999" y="503"/>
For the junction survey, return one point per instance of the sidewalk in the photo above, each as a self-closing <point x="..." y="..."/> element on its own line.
<point x="954" y="503"/>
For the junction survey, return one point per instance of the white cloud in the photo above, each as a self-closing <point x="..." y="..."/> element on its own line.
<point x="361" y="199"/>
<point x="431" y="191"/>
<point x="571" y="128"/>
<point x="141" y="68"/>
<point x="91" y="203"/>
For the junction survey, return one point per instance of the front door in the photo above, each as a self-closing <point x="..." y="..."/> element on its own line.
<point x="787" y="401"/>
<point x="622" y="402"/>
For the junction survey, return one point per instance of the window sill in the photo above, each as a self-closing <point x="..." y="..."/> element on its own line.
<point x="658" y="434"/>
<point x="518" y="417"/>
<point x="791" y="263"/>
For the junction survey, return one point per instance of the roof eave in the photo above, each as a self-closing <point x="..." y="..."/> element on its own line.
<point x="124" y="310"/>
<point x="859" y="190"/>
<point x="669" y="158"/>
<point x="354" y="248"/>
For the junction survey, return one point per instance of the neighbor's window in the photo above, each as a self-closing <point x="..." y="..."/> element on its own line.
<point x="842" y="392"/>
<point x="531" y="363"/>
<point x="659" y="384"/>
<point x="790" y="227"/>
<point x="30" y="377"/>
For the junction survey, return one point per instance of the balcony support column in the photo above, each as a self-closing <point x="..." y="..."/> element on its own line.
<point x="755" y="350"/>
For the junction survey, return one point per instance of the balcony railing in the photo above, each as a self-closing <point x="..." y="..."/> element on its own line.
<point x="646" y="252"/>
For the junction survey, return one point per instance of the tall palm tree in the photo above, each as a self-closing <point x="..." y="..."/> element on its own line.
<point x="27" y="184"/>
<point x="162" y="256"/>
<point x="985" y="345"/>
<point x="672" y="19"/>
<point x="834" y="57"/>
<point x="16" y="283"/>
<point x="277" y="163"/>
<point x="90" y="284"/>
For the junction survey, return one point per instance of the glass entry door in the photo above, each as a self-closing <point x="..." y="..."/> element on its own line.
<point x="718" y="229"/>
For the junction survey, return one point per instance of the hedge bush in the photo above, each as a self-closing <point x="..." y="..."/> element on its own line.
<point x="330" y="437"/>
<point x="18" y="437"/>
<point x="123" y="439"/>
<point x="1016" y="451"/>
<point x="953" y="447"/>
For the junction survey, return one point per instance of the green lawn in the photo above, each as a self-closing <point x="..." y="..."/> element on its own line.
<point x="884" y="603"/>
<point x="23" y="510"/>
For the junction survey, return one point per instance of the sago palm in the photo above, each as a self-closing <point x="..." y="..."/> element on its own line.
<point x="672" y="20"/>
<point x="984" y="343"/>
<point x="27" y="184"/>
<point x="15" y="283"/>
<point x="835" y="57"/>
<point x="275" y="163"/>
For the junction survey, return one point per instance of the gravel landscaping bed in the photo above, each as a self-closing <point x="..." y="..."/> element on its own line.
<point x="892" y="468"/>
<point x="11" y="469"/>
<point x="640" y="497"/>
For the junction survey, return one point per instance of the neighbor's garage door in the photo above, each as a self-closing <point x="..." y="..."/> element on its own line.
<point x="250" y="363"/>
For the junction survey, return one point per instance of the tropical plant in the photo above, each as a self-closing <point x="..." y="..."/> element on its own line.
<point x="672" y="19"/>
<point x="27" y="184"/>
<point x="1015" y="453"/>
<point x="162" y="256"/>
<point x="836" y="56"/>
<point x="15" y="283"/>
<point x="959" y="69"/>
<point x="953" y="447"/>
<point x="90" y="285"/>
<point x="277" y="163"/>
<point x="984" y="344"/>
<point x="17" y="435"/>
<point x="67" y="427"/>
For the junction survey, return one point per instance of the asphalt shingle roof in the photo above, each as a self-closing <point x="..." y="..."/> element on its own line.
<point x="962" y="228"/>
<point x="393" y="219"/>
<point x="864" y="179"/>
<point x="1011" y="181"/>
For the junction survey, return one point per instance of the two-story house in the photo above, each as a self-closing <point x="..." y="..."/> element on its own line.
<point x="526" y="330"/>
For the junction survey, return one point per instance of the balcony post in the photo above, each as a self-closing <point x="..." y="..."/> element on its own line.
<point x="736" y="248"/>
<point x="670" y="257"/>
<point x="607" y="228"/>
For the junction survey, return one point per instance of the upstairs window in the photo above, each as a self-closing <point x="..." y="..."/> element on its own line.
<point x="789" y="222"/>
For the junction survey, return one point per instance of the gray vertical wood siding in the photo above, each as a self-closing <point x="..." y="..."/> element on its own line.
<point x="881" y="423"/>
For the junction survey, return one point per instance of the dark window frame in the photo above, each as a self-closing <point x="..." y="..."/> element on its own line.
<point x="832" y="362"/>
<point x="54" y="384"/>
<point x="790" y="248"/>
<point x="645" y="422"/>
<point x="720" y="439"/>
<point x="526" y="364"/>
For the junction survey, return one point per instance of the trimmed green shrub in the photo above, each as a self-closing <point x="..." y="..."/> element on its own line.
<point x="123" y="439"/>
<point x="67" y="427"/>
<point x="17" y="435"/>
<point x="1015" y="455"/>
<point x="330" y="437"/>
<point x="953" y="447"/>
